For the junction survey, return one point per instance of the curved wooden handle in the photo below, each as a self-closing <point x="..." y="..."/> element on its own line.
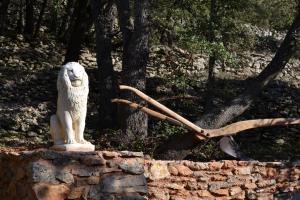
<point x="199" y="132"/>
<point x="250" y="124"/>
<point x="147" y="110"/>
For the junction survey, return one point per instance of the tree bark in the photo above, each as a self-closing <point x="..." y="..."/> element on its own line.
<point x="3" y="14"/>
<point x="212" y="57"/>
<point x="219" y="117"/>
<point x="29" y="18"/>
<point x="64" y="24"/>
<point x="54" y="17"/>
<point x="39" y="22"/>
<point x="135" y="56"/>
<point x="19" y="28"/>
<point x="103" y="15"/>
<point x="83" y="22"/>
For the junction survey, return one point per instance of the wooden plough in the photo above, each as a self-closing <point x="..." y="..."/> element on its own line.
<point x="199" y="132"/>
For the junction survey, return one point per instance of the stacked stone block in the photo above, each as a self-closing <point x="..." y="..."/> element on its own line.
<point x="229" y="179"/>
<point x="50" y="175"/>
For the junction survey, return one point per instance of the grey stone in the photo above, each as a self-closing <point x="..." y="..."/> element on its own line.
<point x="41" y="173"/>
<point x="133" y="197"/>
<point x="132" y="166"/>
<point x="32" y="134"/>
<point x="65" y="177"/>
<point x="218" y="185"/>
<point x="83" y="172"/>
<point x="120" y="183"/>
<point x="131" y="154"/>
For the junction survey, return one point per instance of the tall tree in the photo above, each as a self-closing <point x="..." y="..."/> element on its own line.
<point x="39" y="21"/>
<point x="66" y="18"/>
<point x="3" y="14"/>
<point x="29" y="18"/>
<point x="212" y="57"/>
<point x="135" y="56"/>
<point x="83" y="21"/>
<point x="103" y="15"/>
<point x="220" y="116"/>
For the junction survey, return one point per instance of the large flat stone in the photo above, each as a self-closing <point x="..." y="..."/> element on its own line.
<point x="74" y="147"/>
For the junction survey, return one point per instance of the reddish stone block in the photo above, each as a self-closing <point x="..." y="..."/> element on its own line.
<point x="183" y="170"/>
<point x="220" y="192"/>
<point x="46" y="191"/>
<point x="214" y="165"/>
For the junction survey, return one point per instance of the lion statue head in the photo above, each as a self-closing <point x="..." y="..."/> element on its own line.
<point x="72" y="75"/>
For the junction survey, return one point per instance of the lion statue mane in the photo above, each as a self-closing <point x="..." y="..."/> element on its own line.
<point x="67" y="125"/>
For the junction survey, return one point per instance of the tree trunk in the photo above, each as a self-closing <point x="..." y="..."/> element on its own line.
<point x="83" y="22"/>
<point x="103" y="14"/>
<point x="20" y="23"/>
<point x="219" y="117"/>
<point x="39" y="22"/>
<point x="68" y="12"/>
<point x="3" y="14"/>
<point x="212" y="57"/>
<point x="53" y="19"/>
<point x="135" y="56"/>
<point x="29" y="18"/>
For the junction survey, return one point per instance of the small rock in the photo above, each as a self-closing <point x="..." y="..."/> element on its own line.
<point x="133" y="197"/>
<point x="132" y="166"/>
<point x="65" y="177"/>
<point x="173" y="170"/>
<point x="174" y="186"/>
<point x="54" y="192"/>
<point x="111" y="154"/>
<point x="264" y="183"/>
<point x="250" y="186"/>
<point x="280" y="141"/>
<point x="183" y="170"/>
<point x="158" y="171"/>
<point x="76" y="192"/>
<point x="234" y="190"/>
<point x="93" y="180"/>
<point x="243" y="170"/>
<point x="123" y="184"/>
<point x="220" y="192"/>
<point x="32" y="134"/>
<point x="131" y="154"/>
<point x="215" y="165"/>
<point x="93" y="160"/>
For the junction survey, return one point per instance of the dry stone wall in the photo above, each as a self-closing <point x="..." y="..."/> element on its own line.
<point x="227" y="179"/>
<point x="49" y="175"/>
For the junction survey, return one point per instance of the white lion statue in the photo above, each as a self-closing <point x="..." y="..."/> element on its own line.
<point x="67" y="125"/>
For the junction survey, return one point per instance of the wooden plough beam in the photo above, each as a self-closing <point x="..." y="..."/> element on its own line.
<point x="200" y="133"/>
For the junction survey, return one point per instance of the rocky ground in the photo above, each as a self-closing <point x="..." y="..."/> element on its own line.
<point x="28" y="97"/>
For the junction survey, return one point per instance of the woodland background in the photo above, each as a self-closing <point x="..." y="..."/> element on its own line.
<point x="213" y="61"/>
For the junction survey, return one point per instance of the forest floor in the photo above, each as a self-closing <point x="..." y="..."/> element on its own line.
<point x="28" y="95"/>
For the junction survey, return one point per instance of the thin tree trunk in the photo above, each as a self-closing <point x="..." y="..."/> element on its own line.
<point x="3" y="14"/>
<point x="39" y="22"/>
<point x="20" y="22"/>
<point x="53" y="20"/>
<point x="212" y="57"/>
<point x="68" y="12"/>
<point x="83" y="22"/>
<point x="135" y="56"/>
<point x="219" y="117"/>
<point x="29" y="18"/>
<point x="103" y="14"/>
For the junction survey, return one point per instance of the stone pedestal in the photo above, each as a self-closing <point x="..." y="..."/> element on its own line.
<point x="59" y="175"/>
<point x="74" y="147"/>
